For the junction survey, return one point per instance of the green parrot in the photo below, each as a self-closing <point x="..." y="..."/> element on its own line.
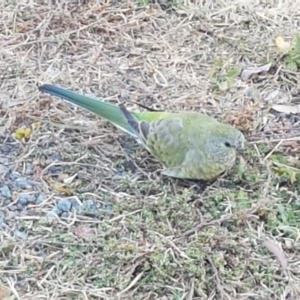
<point x="190" y="145"/>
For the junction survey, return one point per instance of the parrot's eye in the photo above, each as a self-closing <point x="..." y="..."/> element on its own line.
<point x="227" y="144"/>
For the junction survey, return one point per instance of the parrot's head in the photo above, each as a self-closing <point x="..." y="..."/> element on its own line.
<point x="229" y="141"/>
<point x="235" y="140"/>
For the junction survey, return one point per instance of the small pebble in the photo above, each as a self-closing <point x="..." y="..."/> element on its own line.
<point x="3" y="169"/>
<point x="20" y="207"/>
<point x="20" y="285"/>
<point x="29" y="169"/>
<point x="56" y="157"/>
<point x="8" y="150"/>
<point x="13" y="207"/>
<point x="20" y="234"/>
<point x="9" y="139"/>
<point x="25" y="183"/>
<point x="5" y="191"/>
<point x="6" y="202"/>
<point x="40" y="198"/>
<point x="64" y="214"/>
<point x="56" y="210"/>
<point x="31" y="198"/>
<point x="53" y="213"/>
<point x="2" y="218"/>
<point x="4" y="161"/>
<point x="25" y="199"/>
<point x="108" y="207"/>
<point x="3" y="224"/>
<point x="76" y="206"/>
<point x="64" y="205"/>
<point x="2" y="214"/>
<point x="24" y="212"/>
<point x="55" y="170"/>
<point x="294" y="119"/>
<point x="14" y="175"/>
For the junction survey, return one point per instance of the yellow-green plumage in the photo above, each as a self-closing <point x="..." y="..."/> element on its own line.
<point x="190" y="145"/>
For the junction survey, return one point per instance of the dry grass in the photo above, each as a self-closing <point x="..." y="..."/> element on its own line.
<point x="160" y="240"/>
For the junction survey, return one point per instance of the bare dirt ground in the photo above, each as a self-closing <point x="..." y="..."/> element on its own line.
<point x="85" y="213"/>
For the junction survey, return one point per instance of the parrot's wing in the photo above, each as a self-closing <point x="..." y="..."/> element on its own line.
<point x="140" y="128"/>
<point x="165" y="138"/>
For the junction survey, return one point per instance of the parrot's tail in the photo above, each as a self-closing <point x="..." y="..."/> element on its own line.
<point x="110" y="112"/>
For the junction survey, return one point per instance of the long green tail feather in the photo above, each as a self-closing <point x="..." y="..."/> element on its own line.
<point x="110" y="112"/>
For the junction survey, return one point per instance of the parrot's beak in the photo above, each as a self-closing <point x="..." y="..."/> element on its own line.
<point x="240" y="150"/>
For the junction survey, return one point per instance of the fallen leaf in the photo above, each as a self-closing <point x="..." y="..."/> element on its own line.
<point x="276" y="96"/>
<point x="247" y="73"/>
<point x="287" y="109"/>
<point x="4" y="292"/>
<point x="61" y="188"/>
<point x="282" y="45"/>
<point x="21" y="133"/>
<point x="274" y="248"/>
<point x="84" y="232"/>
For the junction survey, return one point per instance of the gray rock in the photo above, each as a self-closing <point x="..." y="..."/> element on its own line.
<point x="64" y="214"/>
<point x="29" y="169"/>
<point x="40" y="198"/>
<point x="25" y="183"/>
<point x="76" y="206"/>
<point x="3" y="169"/>
<point x="26" y="198"/>
<point x="64" y="205"/>
<point x="53" y="213"/>
<point x="24" y="212"/>
<point x="5" y="191"/>
<point x="13" y="207"/>
<point x="56" y="210"/>
<point x="108" y="207"/>
<point x="4" y="161"/>
<point x="20" y="207"/>
<point x="2" y="214"/>
<point x="31" y="198"/>
<point x="20" y="235"/>
<point x="55" y="170"/>
<point x="56" y="157"/>
<point x="23" y="200"/>
<point x="7" y="202"/>
<point x="14" y="175"/>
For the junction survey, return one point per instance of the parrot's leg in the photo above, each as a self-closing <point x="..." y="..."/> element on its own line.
<point x="198" y="185"/>
<point x="180" y="174"/>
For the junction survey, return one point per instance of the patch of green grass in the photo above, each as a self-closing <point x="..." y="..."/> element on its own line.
<point x="223" y="74"/>
<point x="292" y="59"/>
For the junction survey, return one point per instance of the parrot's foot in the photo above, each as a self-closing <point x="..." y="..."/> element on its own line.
<point x="198" y="185"/>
